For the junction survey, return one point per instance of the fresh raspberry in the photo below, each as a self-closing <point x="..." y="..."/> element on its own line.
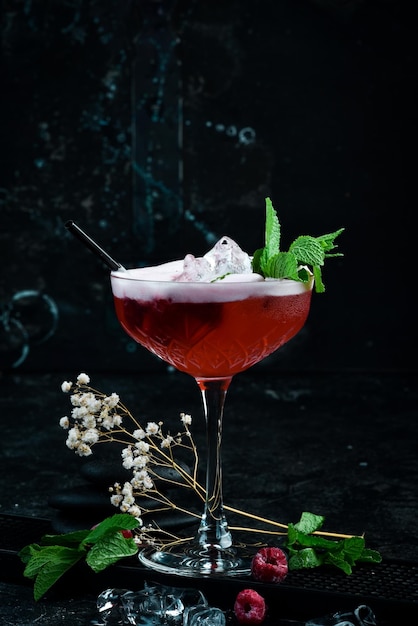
<point x="249" y="607"/>
<point x="269" y="565"/>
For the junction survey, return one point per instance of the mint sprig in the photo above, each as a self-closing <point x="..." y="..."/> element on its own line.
<point x="306" y="255"/>
<point x="100" y="547"/>
<point x="307" y="550"/>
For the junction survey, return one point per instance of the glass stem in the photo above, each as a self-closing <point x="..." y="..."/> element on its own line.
<point x="213" y="534"/>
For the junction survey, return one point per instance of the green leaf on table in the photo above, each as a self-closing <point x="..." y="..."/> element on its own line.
<point x="370" y="556"/>
<point x="307" y="540"/>
<point x="309" y="549"/>
<point x="110" y="525"/>
<point x="306" y="558"/>
<point x="338" y="561"/>
<point x="309" y="523"/>
<point x="100" y="546"/>
<point x="68" y="539"/>
<point x="109" y="550"/>
<point x="352" y="548"/>
<point x="47" y="564"/>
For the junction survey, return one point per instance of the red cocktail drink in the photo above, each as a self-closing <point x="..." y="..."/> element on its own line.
<point x="211" y="330"/>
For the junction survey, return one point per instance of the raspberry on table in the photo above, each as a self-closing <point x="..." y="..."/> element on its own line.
<point x="269" y="565"/>
<point x="250" y="607"/>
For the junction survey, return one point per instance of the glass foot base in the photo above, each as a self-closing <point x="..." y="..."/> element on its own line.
<point x="198" y="562"/>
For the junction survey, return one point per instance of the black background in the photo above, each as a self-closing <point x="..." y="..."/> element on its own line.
<point x="160" y="126"/>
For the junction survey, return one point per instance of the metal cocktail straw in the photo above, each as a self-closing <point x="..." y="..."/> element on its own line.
<point x="93" y="246"/>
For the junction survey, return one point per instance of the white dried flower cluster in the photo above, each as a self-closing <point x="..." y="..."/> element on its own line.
<point x="92" y="413"/>
<point x="96" y="417"/>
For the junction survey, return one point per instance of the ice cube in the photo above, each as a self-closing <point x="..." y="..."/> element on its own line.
<point x="160" y="605"/>
<point x="361" y="616"/>
<point x="204" y="616"/>
<point x="226" y="257"/>
<point x="153" y="608"/>
<point x="110" y="607"/>
<point x="190" y="596"/>
<point x="195" y="270"/>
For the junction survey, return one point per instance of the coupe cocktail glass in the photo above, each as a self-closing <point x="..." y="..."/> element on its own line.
<point x="210" y="331"/>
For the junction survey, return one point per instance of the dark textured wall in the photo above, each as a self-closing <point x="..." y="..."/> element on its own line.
<point x="159" y="126"/>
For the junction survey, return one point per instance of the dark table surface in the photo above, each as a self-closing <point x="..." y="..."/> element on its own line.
<point x="342" y="445"/>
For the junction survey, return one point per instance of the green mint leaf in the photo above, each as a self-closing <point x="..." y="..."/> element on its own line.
<point x="309" y="522"/>
<point x="292" y="535"/>
<point x="48" y="564"/>
<point x="73" y="539"/>
<point x="312" y="541"/>
<point x="328" y="242"/>
<point x="308" y="549"/>
<point x="109" y="550"/>
<point x="306" y="558"/>
<point x="256" y="262"/>
<point x="52" y="572"/>
<point x="118" y="522"/>
<point x="308" y="250"/>
<point x="28" y="556"/>
<point x="101" y="546"/>
<point x="272" y="231"/>
<point x="370" y="556"/>
<point x="306" y="255"/>
<point x="319" y="285"/>
<point x="338" y="561"/>
<point x="283" y="264"/>
<point x="41" y="557"/>
<point x="352" y="548"/>
<point x="27" y="552"/>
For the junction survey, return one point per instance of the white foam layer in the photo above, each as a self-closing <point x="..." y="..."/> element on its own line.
<point x="149" y="283"/>
<point x="166" y="272"/>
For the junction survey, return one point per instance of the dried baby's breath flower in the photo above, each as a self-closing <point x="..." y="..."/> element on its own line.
<point x="98" y="418"/>
<point x="152" y="428"/>
<point x="186" y="418"/>
<point x="64" y="422"/>
<point x="83" y="379"/>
